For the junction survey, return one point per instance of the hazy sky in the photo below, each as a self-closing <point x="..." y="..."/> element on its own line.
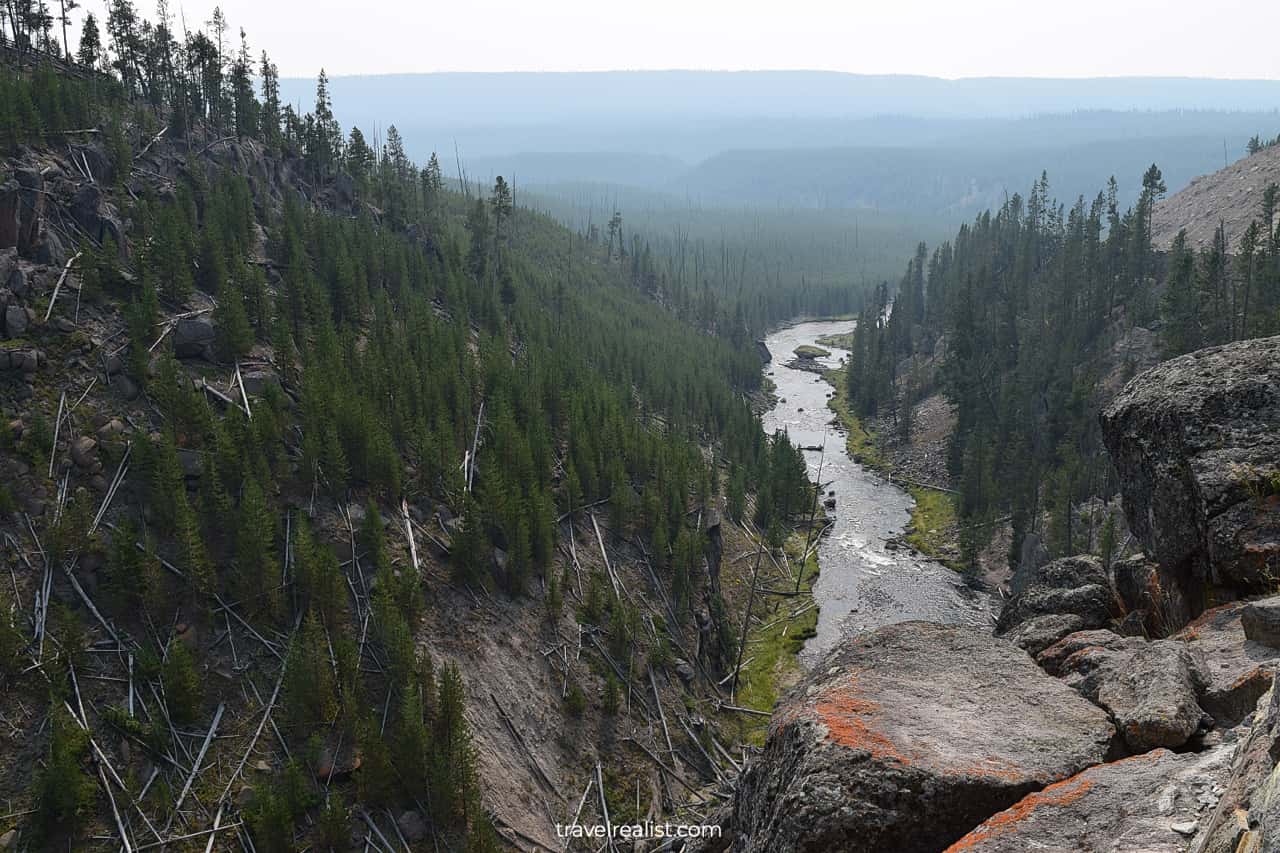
<point x="959" y="38"/>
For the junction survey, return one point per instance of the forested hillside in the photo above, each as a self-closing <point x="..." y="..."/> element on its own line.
<point x="280" y="410"/>
<point x="1029" y="321"/>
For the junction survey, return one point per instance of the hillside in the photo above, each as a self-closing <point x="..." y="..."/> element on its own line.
<point x="338" y="505"/>
<point x="1231" y="197"/>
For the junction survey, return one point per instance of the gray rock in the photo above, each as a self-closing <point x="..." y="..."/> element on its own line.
<point x="1149" y="689"/>
<point x="1247" y="817"/>
<point x="16" y="321"/>
<point x="28" y="361"/>
<point x="1040" y="632"/>
<point x="1076" y="585"/>
<point x="685" y="671"/>
<point x="191" y="337"/>
<point x="1192" y="440"/>
<point x="1235" y="670"/>
<point x="1149" y="803"/>
<point x="1055" y="659"/>
<point x="125" y="387"/>
<point x="83" y="452"/>
<point x="412" y="826"/>
<point x="911" y="720"/>
<point x="257" y="381"/>
<point x="1261" y="621"/>
<point x="17" y="283"/>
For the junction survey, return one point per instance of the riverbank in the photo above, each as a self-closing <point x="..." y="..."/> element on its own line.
<point x="780" y="626"/>
<point x="933" y="529"/>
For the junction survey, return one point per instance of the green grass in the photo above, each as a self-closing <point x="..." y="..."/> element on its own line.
<point x="773" y="646"/>
<point x="808" y="351"/>
<point x="933" y="522"/>
<point x="860" y="443"/>
<point x="843" y="340"/>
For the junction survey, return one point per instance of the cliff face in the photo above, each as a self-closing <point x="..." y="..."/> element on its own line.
<point x="1196" y="442"/>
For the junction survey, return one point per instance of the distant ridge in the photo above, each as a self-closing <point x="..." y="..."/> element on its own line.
<point x="519" y="97"/>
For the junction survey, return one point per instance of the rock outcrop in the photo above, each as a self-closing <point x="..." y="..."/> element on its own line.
<point x="906" y="737"/>
<point x="1072" y="585"/>
<point x="1152" y="803"/>
<point x="1196" y="441"/>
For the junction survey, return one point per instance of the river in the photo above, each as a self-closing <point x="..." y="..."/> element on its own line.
<point x="862" y="584"/>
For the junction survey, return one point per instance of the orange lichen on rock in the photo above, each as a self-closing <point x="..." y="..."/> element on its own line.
<point x="850" y="720"/>
<point x="1062" y="793"/>
<point x="1057" y="795"/>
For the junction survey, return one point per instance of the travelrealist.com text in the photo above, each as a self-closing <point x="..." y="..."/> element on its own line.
<point x="648" y="829"/>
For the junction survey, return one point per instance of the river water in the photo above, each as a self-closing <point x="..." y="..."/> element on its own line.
<point x="863" y="584"/>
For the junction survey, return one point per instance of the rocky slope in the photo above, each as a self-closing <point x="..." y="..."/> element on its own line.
<point x="1119" y="707"/>
<point x="1232" y="196"/>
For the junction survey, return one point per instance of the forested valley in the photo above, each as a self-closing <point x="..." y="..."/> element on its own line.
<point x="733" y="473"/>
<point x="281" y="406"/>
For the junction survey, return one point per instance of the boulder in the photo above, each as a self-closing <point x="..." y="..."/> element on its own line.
<point x="1152" y="803"/>
<point x="192" y="337"/>
<point x="256" y="382"/>
<point x="1076" y="585"/>
<point x="412" y="827"/>
<point x="1148" y="688"/>
<point x="16" y="321"/>
<point x="1196" y="442"/>
<point x="83" y="452"/>
<point x="18" y="283"/>
<point x="125" y="387"/>
<point x="98" y="219"/>
<point x="1054" y="658"/>
<point x="910" y="720"/>
<point x="1040" y="632"/>
<point x="1261" y="621"/>
<point x="1235" y="670"/>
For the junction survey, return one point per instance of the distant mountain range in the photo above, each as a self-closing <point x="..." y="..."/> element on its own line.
<point x="919" y="145"/>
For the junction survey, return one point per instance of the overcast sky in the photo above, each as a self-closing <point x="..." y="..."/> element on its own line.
<point x="957" y="38"/>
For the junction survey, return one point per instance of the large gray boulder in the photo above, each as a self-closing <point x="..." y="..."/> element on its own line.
<point x="1196" y="442"/>
<point x="906" y="737"/>
<point x="193" y="337"/>
<point x="1261" y="621"/>
<point x="1040" y="632"/>
<point x="1148" y="688"/>
<point x="1234" y="669"/>
<point x="1071" y="585"/>
<point x="1157" y="802"/>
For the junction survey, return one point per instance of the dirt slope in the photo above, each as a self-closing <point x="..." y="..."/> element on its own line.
<point x="1232" y="195"/>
